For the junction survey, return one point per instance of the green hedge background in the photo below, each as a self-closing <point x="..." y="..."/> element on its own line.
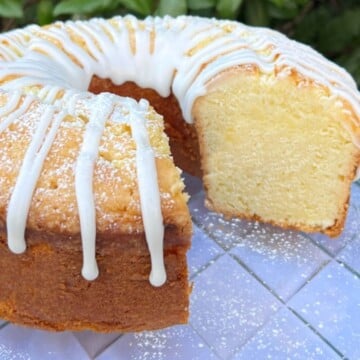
<point x="330" y="26"/>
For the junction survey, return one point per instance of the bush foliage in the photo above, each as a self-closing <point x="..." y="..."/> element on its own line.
<point x="330" y="26"/>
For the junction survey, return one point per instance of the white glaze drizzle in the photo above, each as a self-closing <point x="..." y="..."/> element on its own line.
<point x="100" y="111"/>
<point x="49" y="94"/>
<point x="149" y="195"/>
<point x="30" y="170"/>
<point x="15" y="114"/>
<point x="13" y="44"/>
<point x="103" y="108"/>
<point x="11" y="105"/>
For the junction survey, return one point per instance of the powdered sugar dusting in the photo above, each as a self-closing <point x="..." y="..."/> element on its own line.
<point x="177" y="342"/>
<point x="114" y="176"/>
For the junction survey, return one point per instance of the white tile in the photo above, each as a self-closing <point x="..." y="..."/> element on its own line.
<point x="355" y="194"/>
<point x="227" y="232"/>
<point x="228" y="305"/>
<point x="334" y="245"/>
<point x="175" y="343"/>
<point x="95" y="343"/>
<point x="24" y="343"/>
<point x="331" y="304"/>
<point x="203" y="250"/>
<point x="283" y="260"/>
<point x="350" y="255"/>
<point x="286" y="337"/>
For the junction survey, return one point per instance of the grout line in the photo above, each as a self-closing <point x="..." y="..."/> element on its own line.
<point x="316" y="332"/>
<point x="335" y="256"/>
<point x="3" y="325"/>
<point x="311" y="277"/>
<point x="212" y="349"/>
<point x="272" y="291"/>
<point x="206" y="266"/>
<point x="98" y="353"/>
<point x="256" y="331"/>
<point x="322" y="247"/>
<point x="257" y="278"/>
<point x="210" y="235"/>
<point x="348" y="267"/>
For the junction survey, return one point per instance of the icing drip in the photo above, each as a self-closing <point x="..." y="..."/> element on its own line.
<point x="30" y="170"/>
<point x="10" y="107"/>
<point x="101" y="109"/>
<point x="104" y="107"/>
<point x="149" y="195"/>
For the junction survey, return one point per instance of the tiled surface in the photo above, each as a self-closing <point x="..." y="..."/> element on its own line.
<point x="178" y="342"/>
<point x="259" y="293"/>
<point x="228" y="305"/>
<point x="22" y="343"/>
<point x="285" y="337"/>
<point x="283" y="260"/>
<point x="331" y="304"/>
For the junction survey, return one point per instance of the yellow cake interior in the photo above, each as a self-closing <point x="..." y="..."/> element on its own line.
<point x="275" y="149"/>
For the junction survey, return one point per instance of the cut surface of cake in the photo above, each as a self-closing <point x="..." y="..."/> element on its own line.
<point x="296" y="160"/>
<point x="270" y="125"/>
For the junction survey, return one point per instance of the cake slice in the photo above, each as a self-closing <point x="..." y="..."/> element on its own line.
<point x="90" y="166"/>
<point x="280" y="149"/>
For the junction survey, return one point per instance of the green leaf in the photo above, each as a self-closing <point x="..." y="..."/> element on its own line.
<point x="339" y="32"/>
<point x="79" y="6"/>
<point x="256" y="13"/>
<point x="288" y="3"/>
<point x="228" y="9"/>
<point x="44" y="12"/>
<point x="288" y="10"/>
<point x="209" y="12"/>
<point x="11" y="9"/>
<point x="142" y="7"/>
<point x="302" y="2"/>
<point x="200" y="4"/>
<point x="308" y="29"/>
<point x="278" y="3"/>
<point x="171" y="7"/>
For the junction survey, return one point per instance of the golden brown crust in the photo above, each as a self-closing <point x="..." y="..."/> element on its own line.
<point x="44" y="288"/>
<point x="332" y="231"/>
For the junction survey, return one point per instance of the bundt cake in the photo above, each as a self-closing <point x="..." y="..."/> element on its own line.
<point x="86" y="174"/>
